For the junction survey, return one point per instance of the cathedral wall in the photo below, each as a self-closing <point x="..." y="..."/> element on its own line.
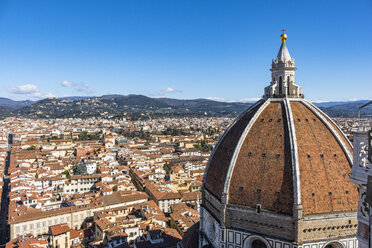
<point x="359" y="175"/>
<point x="242" y="225"/>
<point x="209" y="230"/>
<point x="213" y="205"/>
<point x="364" y="215"/>
<point x="238" y="239"/>
<point x="266" y="223"/>
<point x="232" y="238"/>
<point x="327" y="226"/>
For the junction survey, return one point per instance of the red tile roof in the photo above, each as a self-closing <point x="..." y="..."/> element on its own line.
<point x="59" y="229"/>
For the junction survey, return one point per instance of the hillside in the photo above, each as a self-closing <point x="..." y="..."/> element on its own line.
<point x="10" y="104"/>
<point x="134" y="105"/>
<point x="349" y="109"/>
<point x="139" y="106"/>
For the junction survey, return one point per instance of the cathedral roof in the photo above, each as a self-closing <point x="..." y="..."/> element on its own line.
<point x="283" y="154"/>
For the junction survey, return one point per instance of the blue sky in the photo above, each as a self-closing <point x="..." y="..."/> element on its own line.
<point x="182" y="48"/>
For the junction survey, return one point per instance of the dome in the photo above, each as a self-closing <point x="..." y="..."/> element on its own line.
<point x="279" y="175"/>
<point x="282" y="153"/>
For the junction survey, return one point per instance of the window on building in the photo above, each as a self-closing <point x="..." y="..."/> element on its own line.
<point x="258" y="208"/>
<point x="258" y="244"/>
<point x="334" y="245"/>
<point x="17" y="230"/>
<point x="280" y="85"/>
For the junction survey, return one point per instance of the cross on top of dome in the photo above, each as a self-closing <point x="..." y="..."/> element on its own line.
<point x="283" y="37"/>
<point x="283" y="54"/>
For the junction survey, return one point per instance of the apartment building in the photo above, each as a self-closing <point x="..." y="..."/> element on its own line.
<point x="38" y="222"/>
<point x="81" y="183"/>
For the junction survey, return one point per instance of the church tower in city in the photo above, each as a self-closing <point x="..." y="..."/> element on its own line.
<point x="279" y="175"/>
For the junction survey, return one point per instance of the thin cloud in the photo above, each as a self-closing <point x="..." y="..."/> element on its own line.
<point x="40" y="95"/>
<point x="84" y="88"/>
<point x="254" y="99"/>
<point x="79" y="87"/>
<point x="24" y="89"/>
<point x="31" y="91"/>
<point x="337" y="100"/>
<point x="168" y="90"/>
<point x="220" y="99"/>
<point x="67" y="84"/>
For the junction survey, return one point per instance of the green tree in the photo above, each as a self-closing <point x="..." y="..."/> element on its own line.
<point x="166" y="168"/>
<point x="203" y="146"/>
<point x="67" y="174"/>
<point x="79" y="169"/>
<point x="31" y="148"/>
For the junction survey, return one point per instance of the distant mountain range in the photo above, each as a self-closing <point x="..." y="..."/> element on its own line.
<point x="12" y="105"/>
<point x="139" y="106"/>
<point x="346" y="109"/>
<point x="331" y="104"/>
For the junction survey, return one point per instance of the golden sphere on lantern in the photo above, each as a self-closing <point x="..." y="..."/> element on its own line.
<point x="283" y="37"/>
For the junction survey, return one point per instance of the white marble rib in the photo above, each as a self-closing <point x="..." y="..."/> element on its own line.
<point x="238" y="147"/>
<point x="294" y="153"/>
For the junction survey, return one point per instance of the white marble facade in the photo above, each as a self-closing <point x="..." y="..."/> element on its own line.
<point x="362" y="168"/>
<point x="219" y="237"/>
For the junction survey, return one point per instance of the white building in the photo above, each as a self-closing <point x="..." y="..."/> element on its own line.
<point x="81" y="184"/>
<point x="362" y="168"/>
<point x="91" y="167"/>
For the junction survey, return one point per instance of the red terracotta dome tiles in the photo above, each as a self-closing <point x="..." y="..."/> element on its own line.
<point x="323" y="166"/>
<point x="265" y="177"/>
<point x="219" y="162"/>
